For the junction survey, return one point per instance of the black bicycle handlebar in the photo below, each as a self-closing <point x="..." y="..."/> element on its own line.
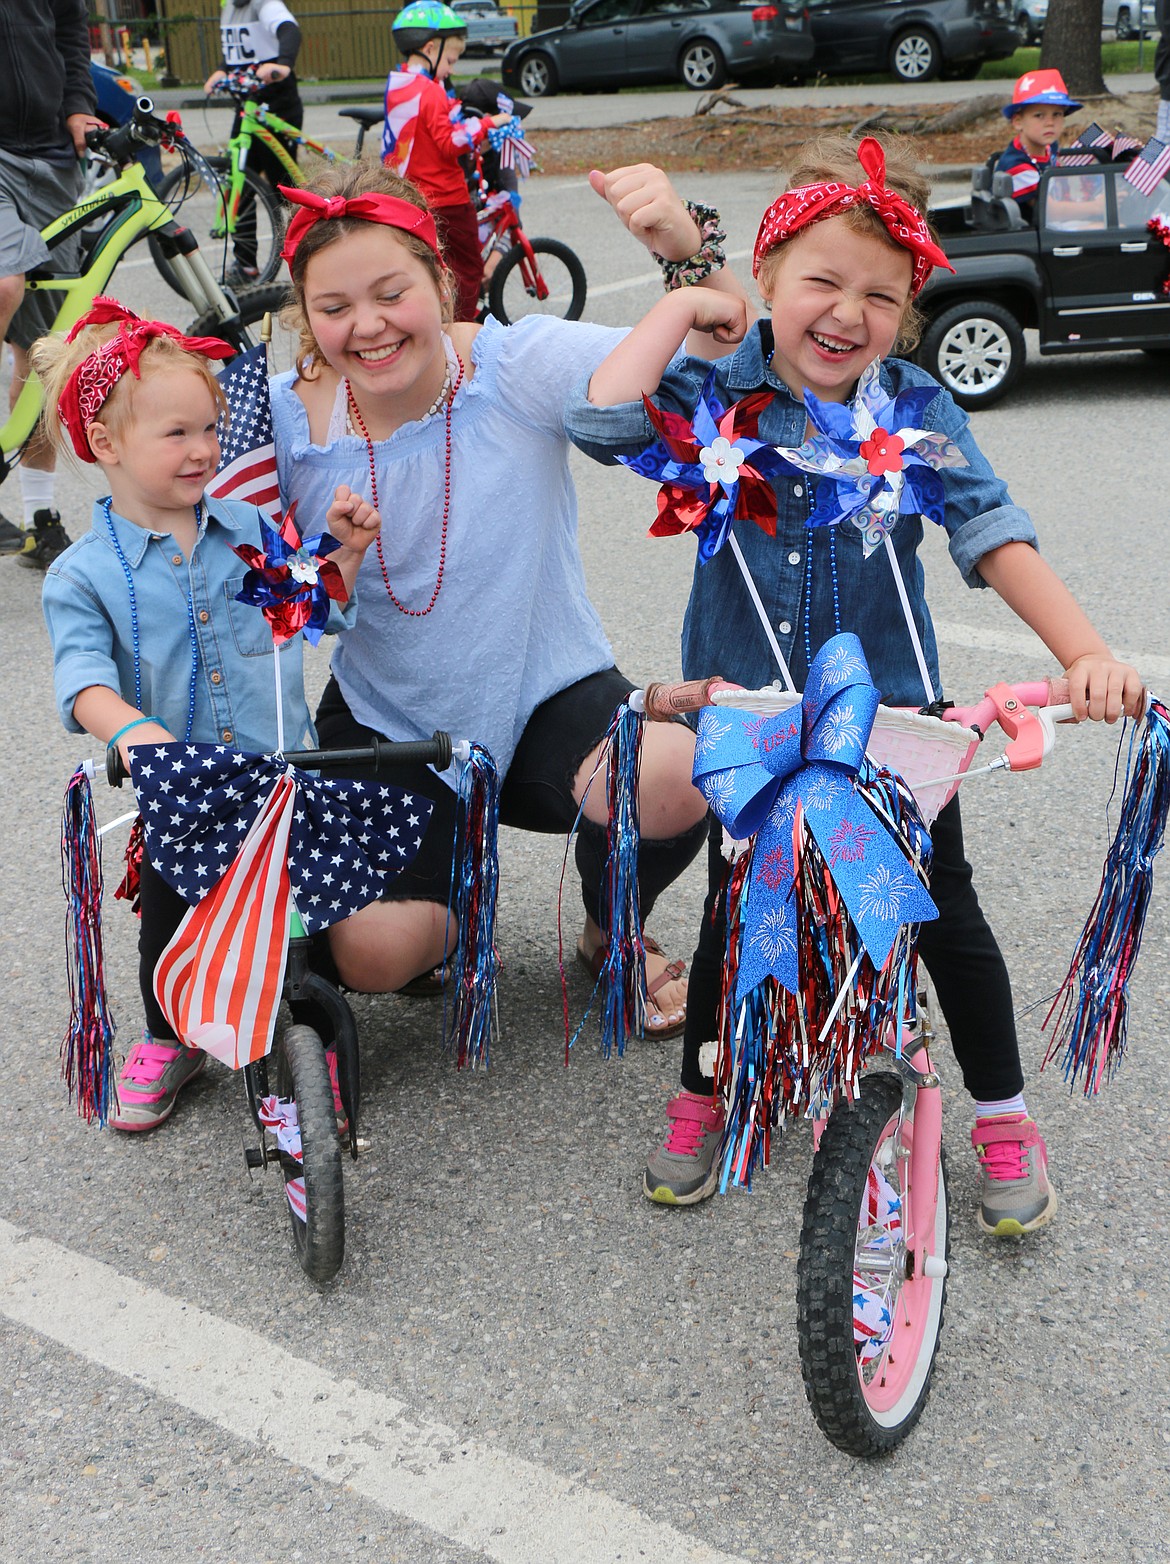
<point x="122" y="143"/>
<point x="382" y="755"/>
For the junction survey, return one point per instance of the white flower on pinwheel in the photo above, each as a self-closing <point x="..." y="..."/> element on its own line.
<point x="721" y="461"/>
<point x="303" y="568"/>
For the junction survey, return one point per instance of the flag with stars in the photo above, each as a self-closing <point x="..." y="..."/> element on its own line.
<point x="247" y="453"/>
<point x="240" y="837"/>
<point x="1151" y="165"/>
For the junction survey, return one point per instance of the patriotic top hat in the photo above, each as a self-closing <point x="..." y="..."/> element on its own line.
<point x="1039" y="89"/>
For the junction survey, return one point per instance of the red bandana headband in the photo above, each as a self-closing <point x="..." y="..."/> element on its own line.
<point x="375" y="207"/>
<point x="89" y="386"/>
<point x="796" y="209"/>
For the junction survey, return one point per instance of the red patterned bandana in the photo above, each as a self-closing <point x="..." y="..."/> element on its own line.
<point x="796" y="209"/>
<point x="375" y="207"/>
<point x="89" y="386"/>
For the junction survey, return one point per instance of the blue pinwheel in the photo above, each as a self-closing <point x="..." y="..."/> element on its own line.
<point x="761" y="776"/>
<point x="873" y="461"/>
<point x="714" y="469"/>
<point x="293" y="582"/>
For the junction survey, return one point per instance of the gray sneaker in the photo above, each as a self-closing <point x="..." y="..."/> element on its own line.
<point x="685" y="1168"/>
<point x="152" y="1077"/>
<point x="1015" y="1193"/>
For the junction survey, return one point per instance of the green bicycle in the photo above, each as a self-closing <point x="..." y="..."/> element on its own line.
<point x="223" y="197"/>
<point x="110" y="221"/>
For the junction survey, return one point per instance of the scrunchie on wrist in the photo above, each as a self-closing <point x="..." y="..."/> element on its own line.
<point x="708" y="258"/>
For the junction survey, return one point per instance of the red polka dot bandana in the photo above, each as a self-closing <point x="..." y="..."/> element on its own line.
<point x="807" y="204"/>
<point x="89" y="386"/>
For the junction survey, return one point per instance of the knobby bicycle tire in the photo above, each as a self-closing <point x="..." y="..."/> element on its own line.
<point x="303" y="1074"/>
<point x="830" y="1245"/>
<point x="255" y="303"/>
<point x="566" y="302"/>
<point x="218" y="253"/>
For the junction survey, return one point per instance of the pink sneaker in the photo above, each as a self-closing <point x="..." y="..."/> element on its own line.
<point x="152" y="1077"/>
<point x="685" y="1168"/>
<point x="1015" y="1194"/>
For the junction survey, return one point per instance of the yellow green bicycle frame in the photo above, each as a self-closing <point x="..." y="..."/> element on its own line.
<point x="258" y="123"/>
<point x="135" y="210"/>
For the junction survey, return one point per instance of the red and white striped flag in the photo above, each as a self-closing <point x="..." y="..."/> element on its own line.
<point x="1151" y="165"/>
<point x="247" y="460"/>
<point x="219" y="980"/>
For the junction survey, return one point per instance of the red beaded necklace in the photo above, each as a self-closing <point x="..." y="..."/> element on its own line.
<point x="355" y="413"/>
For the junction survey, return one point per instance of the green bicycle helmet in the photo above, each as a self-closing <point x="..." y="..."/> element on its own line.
<point x="422" y="20"/>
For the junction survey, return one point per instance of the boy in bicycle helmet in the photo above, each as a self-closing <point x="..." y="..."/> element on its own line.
<point x="261" y="36"/>
<point x="425" y="135"/>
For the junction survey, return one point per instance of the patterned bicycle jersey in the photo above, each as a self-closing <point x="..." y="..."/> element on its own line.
<point x="424" y="134"/>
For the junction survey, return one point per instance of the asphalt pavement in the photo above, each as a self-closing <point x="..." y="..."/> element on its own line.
<point x="522" y="1360"/>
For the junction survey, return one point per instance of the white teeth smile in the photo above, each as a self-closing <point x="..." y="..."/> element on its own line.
<point x="376" y="355"/>
<point x="830" y="346"/>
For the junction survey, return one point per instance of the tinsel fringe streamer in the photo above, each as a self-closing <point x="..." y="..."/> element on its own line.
<point x="87" y="1047"/>
<point x="469" y="997"/>
<point x="773" y="1063"/>
<point x="622" y="981"/>
<point x="1091" y="1011"/>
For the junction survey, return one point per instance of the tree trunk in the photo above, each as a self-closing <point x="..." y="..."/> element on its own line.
<point x="1072" y="45"/>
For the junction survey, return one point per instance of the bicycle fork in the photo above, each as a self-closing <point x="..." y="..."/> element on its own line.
<point x="921" y="1105"/>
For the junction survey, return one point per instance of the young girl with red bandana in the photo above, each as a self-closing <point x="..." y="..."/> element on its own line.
<point x="149" y="642"/>
<point x="839" y="259"/>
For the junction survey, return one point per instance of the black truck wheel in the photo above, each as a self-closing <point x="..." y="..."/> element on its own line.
<point x="976" y="350"/>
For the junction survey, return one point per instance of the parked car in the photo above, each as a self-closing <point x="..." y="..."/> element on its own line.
<point x="488" y="28"/>
<point x="1121" y="17"/>
<point x="1087" y="276"/>
<point x="1030" y="18"/>
<point x="916" y="42"/>
<point x="619" y="43"/>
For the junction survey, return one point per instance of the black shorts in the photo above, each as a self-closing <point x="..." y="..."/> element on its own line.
<point x="537" y="794"/>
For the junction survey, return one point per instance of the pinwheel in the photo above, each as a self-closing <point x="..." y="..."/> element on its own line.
<point x="713" y="469"/>
<point x="293" y="582"/>
<point x="873" y="461"/>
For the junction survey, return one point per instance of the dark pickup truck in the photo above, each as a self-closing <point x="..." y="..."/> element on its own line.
<point x="1087" y="275"/>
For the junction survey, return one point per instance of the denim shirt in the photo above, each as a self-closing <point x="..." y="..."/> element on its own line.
<point x="86" y="603"/>
<point x="796" y="571"/>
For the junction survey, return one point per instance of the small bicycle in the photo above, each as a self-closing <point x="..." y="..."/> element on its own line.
<point x="523" y="276"/>
<point x="306" y="1107"/>
<point x="110" y="220"/>
<point x="875" y="1237"/>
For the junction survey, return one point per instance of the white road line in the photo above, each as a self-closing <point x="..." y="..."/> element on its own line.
<point x="1023" y="642"/>
<point x="507" y="1508"/>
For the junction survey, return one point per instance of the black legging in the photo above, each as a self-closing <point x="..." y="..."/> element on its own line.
<point x="958" y="949"/>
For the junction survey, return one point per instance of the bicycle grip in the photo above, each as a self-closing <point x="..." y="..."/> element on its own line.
<point x="665" y="701"/>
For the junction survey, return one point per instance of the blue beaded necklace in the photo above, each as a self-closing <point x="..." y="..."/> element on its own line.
<point x="107" y="506"/>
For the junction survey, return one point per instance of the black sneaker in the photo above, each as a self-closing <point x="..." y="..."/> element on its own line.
<point x="240" y="276"/>
<point x="11" y="537"/>
<point x="45" y="542"/>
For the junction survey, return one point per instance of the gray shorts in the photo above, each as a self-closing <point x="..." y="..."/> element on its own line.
<point x="33" y="193"/>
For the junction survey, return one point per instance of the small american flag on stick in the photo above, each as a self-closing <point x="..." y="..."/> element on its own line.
<point x="1151" y="165"/>
<point x="247" y="460"/>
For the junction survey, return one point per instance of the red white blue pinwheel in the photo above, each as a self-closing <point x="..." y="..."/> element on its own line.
<point x="293" y="582"/>
<point x="714" y="469"/>
<point x="873" y="461"/>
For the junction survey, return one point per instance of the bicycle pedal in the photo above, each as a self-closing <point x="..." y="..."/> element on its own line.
<point x="254" y="1157"/>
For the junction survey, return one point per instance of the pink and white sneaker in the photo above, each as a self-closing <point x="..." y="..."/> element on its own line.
<point x="1015" y="1194"/>
<point x="152" y="1077"/>
<point x="685" y="1168"/>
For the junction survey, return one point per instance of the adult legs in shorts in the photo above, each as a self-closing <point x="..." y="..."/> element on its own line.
<point x="33" y="192"/>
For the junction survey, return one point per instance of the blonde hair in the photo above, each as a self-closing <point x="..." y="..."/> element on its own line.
<point x="349" y="182"/>
<point x="54" y="360"/>
<point x="834" y="158"/>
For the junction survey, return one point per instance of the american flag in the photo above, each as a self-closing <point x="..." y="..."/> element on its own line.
<point x="1093" y="136"/>
<point x="247" y="460"/>
<point x="1151" y="165"/>
<point x="236" y="835"/>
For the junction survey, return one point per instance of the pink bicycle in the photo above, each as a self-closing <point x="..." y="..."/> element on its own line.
<point x="874" y="1245"/>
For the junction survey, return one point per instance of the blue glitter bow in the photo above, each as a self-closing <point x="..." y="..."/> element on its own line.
<point x="713" y="470"/>
<point x="873" y="461"/>
<point x="756" y="773"/>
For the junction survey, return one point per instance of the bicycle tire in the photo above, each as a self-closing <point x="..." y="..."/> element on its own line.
<point x="303" y="1074"/>
<point x="865" y="1408"/>
<point x="504" y="302"/>
<point x="266" y="299"/>
<point x="197" y="212"/>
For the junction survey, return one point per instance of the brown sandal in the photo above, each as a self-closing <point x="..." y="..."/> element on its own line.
<point x="669" y="974"/>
